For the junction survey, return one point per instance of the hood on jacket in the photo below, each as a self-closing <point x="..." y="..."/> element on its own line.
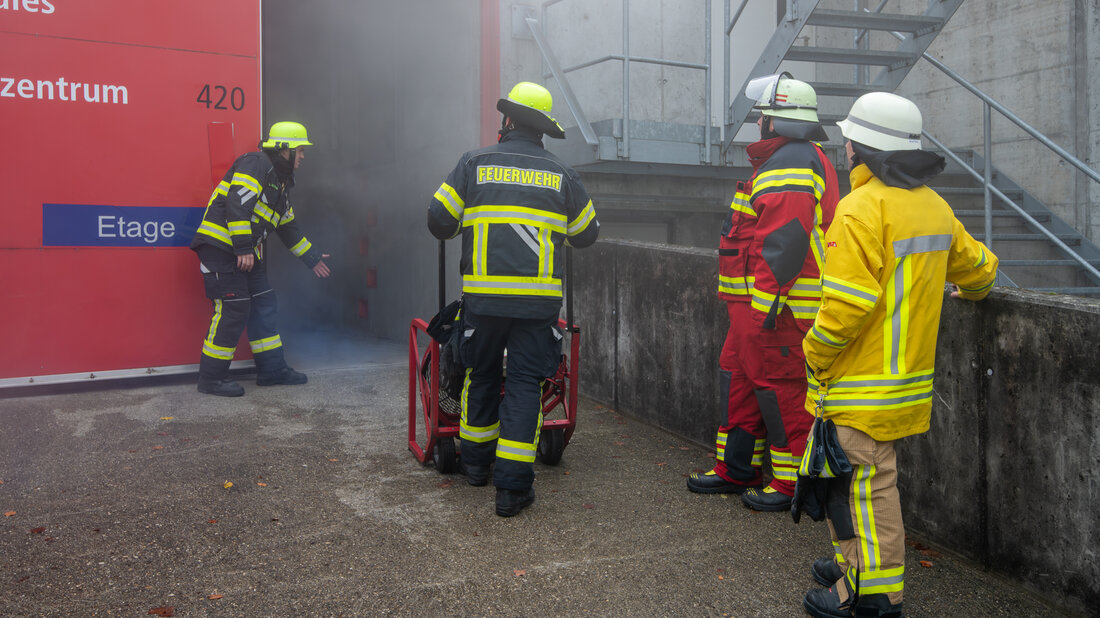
<point x="905" y="169"/>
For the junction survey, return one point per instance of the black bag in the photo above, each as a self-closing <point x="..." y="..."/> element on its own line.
<point x="446" y="329"/>
<point x="822" y="460"/>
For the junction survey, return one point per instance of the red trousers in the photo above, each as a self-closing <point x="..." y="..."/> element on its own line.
<point x="763" y="382"/>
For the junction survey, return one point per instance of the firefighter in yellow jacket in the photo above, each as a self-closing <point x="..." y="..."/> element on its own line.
<point x="893" y="246"/>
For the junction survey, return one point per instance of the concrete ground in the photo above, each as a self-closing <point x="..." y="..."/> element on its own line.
<point x="115" y="502"/>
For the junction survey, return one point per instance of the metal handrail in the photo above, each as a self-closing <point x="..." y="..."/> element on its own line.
<point x="585" y="127"/>
<point x="1051" y="236"/>
<point x="986" y="178"/>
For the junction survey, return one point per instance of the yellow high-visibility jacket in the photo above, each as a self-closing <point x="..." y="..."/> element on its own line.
<point x="872" y="347"/>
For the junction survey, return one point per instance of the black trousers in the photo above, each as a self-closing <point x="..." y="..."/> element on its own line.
<point x="506" y="427"/>
<point x="240" y="299"/>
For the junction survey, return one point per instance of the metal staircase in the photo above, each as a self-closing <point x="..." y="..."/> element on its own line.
<point x="843" y="54"/>
<point x="893" y="62"/>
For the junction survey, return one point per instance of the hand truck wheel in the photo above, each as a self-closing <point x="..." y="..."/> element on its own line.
<point x="551" y="446"/>
<point x="444" y="456"/>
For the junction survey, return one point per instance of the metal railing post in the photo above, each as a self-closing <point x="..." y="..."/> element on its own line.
<point x="988" y="125"/>
<point x="708" y="94"/>
<point x="625" y="154"/>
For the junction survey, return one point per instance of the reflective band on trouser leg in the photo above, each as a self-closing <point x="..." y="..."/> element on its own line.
<point x="226" y="325"/>
<point x="784" y="465"/>
<point x="839" y="555"/>
<point x="477" y="440"/>
<point x="876" y="554"/>
<point x="720" y="446"/>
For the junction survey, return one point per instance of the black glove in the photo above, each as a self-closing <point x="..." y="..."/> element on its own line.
<point x="809" y="497"/>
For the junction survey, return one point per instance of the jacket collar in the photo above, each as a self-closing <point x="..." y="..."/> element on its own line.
<point x="860" y="175"/>
<point x="761" y="151"/>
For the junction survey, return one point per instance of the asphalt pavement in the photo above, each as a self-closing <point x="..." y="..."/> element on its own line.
<point x="143" y="496"/>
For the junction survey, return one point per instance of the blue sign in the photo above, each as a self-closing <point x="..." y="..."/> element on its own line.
<point x="90" y="225"/>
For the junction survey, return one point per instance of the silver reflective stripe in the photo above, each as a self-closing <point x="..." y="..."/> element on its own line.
<point x="525" y="233"/>
<point x="520" y="285"/>
<point x="522" y="452"/>
<point x="881" y="382"/>
<point x="831" y="284"/>
<point x="878" y="128"/>
<point x="879" y="401"/>
<point x="922" y="244"/>
<point x="895" y="319"/>
<point x="482" y="213"/>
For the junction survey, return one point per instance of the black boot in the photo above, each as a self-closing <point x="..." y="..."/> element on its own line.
<point x="222" y="388"/>
<point x="286" y="375"/>
<point x="511" y="502"/>
<point x="767" y="499"/>
<point x="826" y="571"/>
<point x="710" y="483"/>
<point x="478" y="476"/>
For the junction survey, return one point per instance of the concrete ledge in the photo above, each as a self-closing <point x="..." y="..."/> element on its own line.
<point x="1009" y="474"/>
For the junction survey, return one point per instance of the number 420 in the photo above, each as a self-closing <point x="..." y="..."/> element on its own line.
<point x="215" y="96"/>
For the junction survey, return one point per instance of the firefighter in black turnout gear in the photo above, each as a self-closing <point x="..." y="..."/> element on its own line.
<point x="250" y="202"/>
<point x="515" y="204"/>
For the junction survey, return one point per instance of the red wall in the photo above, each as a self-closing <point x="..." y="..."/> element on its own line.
<point x="74" y="303"/>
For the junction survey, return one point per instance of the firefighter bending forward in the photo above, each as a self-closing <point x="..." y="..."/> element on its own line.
<point x="250" y="202"/>
<point x="515" y="204"/>
<point x="770" y="255"/>
<point x="871" y="350"/>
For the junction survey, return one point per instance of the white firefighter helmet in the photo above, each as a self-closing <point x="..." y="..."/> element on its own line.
<point x="782" y="96"/>
<point x="884" y="121"/>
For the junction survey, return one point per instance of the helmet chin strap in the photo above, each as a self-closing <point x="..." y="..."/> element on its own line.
<point x="767" y="131"/>
<point x="506" y="126"/>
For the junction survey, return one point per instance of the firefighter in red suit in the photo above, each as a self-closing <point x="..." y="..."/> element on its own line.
<point x="770" y="258"/>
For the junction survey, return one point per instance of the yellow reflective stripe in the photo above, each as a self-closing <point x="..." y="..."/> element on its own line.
<point x="865" y="515"/>
<point x="804" y="309"/>
<point x="876" y="581"/>
<point x="477" y="215"/>
<point x="240" y="228"/>
<point x="450" y="200"/>
<point x="763" y="301"/>
<point x="248" y="182"/>
<point x="720" y="446"/>
<point x="818" y="335"/>
<point x="896" y="327"/>
<point x="740" y="204"/>
<point x="481" y="249"/>
<point x="877" y="401"/>
<point x="852" y="292"/>
<point x="301" y="247"/>
<point x="978" y="289"/>
<point x="265" y="344"/>
<point x="734" y="285"/>
<point x="838" y="555"/>
<point x="784" y="465"/>
<point x="546" y="254"/>
<point x="921" y="380"/>
<point x="806" y="287"/>
<point x="790" y="177"/>
<point x="215" y="231"/>
<point x="478" y="434"/>
<point x="217" y="351"/>
<point x="215" y="320"/>
<point x="758" y="452"/>
<point x="516" y="451"/>
<point x="500" y="284"/>
<point x="578" y="225"/>
<point x="221" y="189"/>
<point x="261" y="210"/>
<point x="288" y="216"/>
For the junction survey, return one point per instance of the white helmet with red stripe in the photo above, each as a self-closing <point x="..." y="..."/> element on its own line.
<point x="782" y="96"/>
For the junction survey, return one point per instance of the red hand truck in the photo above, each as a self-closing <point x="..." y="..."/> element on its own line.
<point x="434" y="415"/>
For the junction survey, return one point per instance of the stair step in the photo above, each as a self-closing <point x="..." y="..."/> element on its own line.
<point x="1017" y="194"/>
<point x="1056" y="262"/>
<point x="851" y="56"/>
<point x="1069" y="239"/>
<point x="873" y="21"/>
<point x="829" y="89"/>
<point x="1071" y="291"/>
<point x="1038" y="216"/>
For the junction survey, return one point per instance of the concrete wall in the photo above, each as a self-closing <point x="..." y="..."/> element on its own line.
<point x="1009" y="474"/>
<point x="390" y="94"/>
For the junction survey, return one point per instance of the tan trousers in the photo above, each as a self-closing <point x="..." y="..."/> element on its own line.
<point x="871" y="546"/>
